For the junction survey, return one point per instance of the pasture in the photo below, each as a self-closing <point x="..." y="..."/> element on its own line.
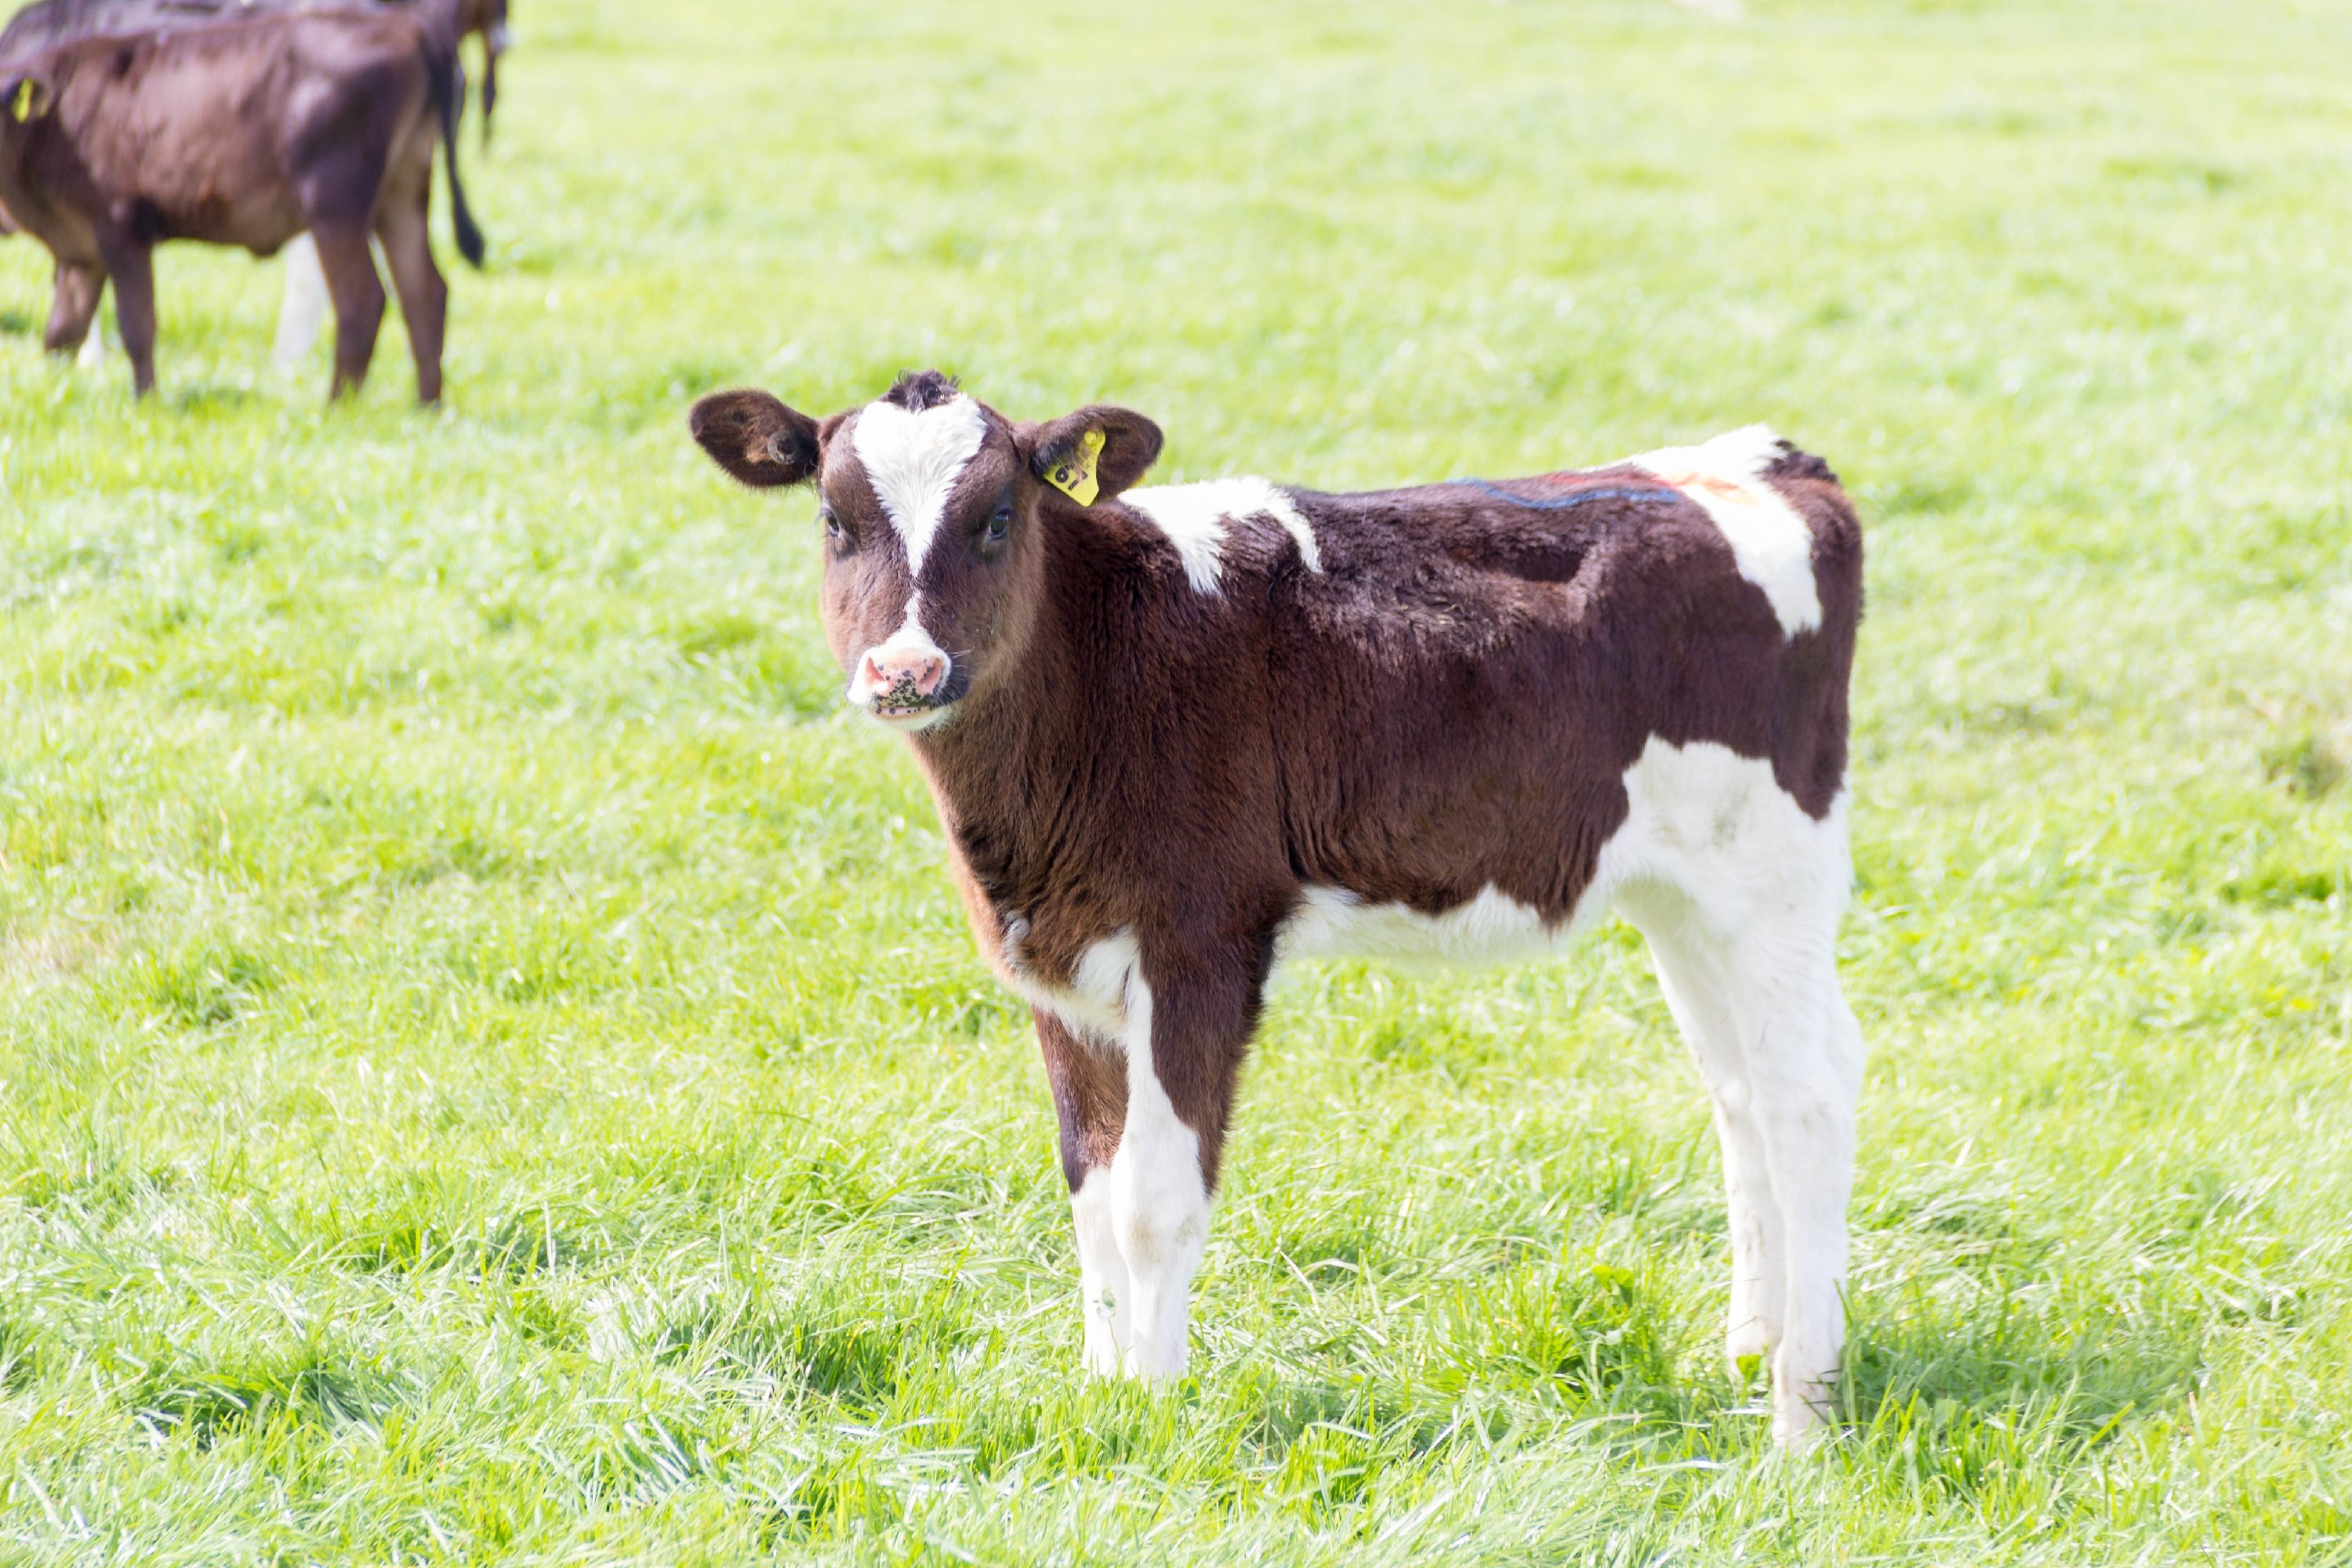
<point x="491" y="1068"/>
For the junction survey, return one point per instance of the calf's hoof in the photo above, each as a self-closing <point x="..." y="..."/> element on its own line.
<point x="1801" y="1416"/>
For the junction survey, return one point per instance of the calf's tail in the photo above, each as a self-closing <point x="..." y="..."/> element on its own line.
<point x="449" y="97"/>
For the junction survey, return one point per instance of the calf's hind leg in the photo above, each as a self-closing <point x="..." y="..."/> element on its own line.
<point x="1745" y="941"/>
<point x="1698" y="992"/>
<point x="403" y="226"/>
<point x="131" y="267"/>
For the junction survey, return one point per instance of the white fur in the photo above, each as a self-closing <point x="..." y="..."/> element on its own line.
<point x="1106" y="1299"/>
<point x="1773" y="547"/>
<point x="1492" y="928"/>
<point x="501" y="37"/>
<point x="913" y="461"/>
<point x="1739" y="894"/>
<point x="1094" y="1005"/>
<point x="1160" y="1205"/>
<point x="303" y="312"/>
<point x="1195" y="519"/>
<point x="92" y="355"/>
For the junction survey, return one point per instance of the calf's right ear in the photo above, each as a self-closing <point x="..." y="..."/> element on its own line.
<point x="757" y="440"/>
<point x="28" y="98"/>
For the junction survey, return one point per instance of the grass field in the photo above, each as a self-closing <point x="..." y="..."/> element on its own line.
<point x="491" y="1068"/>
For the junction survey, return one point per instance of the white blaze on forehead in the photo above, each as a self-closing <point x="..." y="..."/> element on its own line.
<point x="1769" y="541"/>
<point x="1195" y="519"/>
<point x="913" y="461"/>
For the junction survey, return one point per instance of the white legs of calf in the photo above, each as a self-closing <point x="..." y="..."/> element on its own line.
<point x="1781" y="1057"/>
<point x="1699" y="995"/>
<point x="1142" y="1223"/>
<point x="1104" y="1294"/>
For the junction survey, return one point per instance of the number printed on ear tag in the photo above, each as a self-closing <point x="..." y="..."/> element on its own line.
<point x="1074" y="476"/>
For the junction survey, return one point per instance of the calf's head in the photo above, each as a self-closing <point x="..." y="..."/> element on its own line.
<point x="935" y="556"/>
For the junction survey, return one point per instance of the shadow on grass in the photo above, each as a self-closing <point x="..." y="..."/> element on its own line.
<point x="1941" y="1402"/>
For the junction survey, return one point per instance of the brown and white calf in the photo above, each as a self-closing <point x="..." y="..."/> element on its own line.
<point x="1180" y="735"/>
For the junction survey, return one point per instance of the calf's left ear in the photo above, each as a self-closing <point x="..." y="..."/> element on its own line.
<point x="1099" y="451"/>
<point x="756" y="439"/>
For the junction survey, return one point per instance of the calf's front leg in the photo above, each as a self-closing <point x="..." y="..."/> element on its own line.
<point x="74" y="308"/>
<point x="1143" y="1121"/>
<point x="1089" y="1085"/>
<point x="1183" y="1042"/>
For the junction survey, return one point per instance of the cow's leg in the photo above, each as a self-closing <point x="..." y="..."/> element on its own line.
<point x="1183" y="1047"/>
<point x="78" y="289"/>
<point x="358" y="293"/>
<point x="1089" y="1084"/>
<point x="1804" y="1056"/>
<point x="407" y="236"/>
<point x="1690" y="964"/>
<point x="130" y="268"/>
<point x="304" y="309"/>
<point x="493" y="46"/>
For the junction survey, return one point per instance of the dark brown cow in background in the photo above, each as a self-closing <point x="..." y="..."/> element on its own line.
<point x="243" y="132"/>
<point x="1180" y="735"/>
<point x="48" y="24"/>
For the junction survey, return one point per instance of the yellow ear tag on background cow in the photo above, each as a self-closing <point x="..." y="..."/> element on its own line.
<point x="22" y="108"/>
<point x="1074" y="476"/>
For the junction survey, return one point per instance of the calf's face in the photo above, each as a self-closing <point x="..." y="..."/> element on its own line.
<point x="935" y="553"/>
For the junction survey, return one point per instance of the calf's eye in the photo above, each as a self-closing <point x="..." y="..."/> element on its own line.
<point x="1000" y="525"/>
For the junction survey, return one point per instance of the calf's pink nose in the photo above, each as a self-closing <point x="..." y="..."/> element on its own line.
<point x="887" y="672"/>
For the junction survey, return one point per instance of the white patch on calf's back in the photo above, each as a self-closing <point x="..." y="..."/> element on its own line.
<point x="1770" y="544"/>
<point x="913" y="461"/>
<point x="1196" y="517"/>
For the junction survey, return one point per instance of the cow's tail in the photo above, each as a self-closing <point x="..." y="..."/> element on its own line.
<point x="448" y="99"/>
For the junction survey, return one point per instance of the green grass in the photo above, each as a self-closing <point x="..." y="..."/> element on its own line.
<point x="490" y="1065"/>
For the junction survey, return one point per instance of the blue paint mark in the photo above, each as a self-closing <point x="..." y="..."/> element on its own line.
<point x="1563" y="502"/>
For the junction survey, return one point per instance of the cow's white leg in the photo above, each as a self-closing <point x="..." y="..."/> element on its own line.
<point x="92" y="353"/>
<point x="1691" y="975"/>
<point x="303" y="312"/>
<point x="1105" y="1295"/>
<point x="1803" y="1051"/>
<point x="1159" y="1205"/>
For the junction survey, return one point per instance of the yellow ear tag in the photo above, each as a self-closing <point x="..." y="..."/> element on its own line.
<point x="1074" y="476"/>
<point x="23" y="107"/>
